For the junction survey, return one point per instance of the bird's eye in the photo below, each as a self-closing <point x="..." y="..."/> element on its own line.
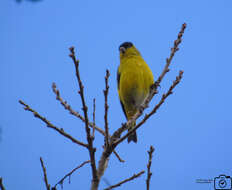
<point x="122" y="49"/>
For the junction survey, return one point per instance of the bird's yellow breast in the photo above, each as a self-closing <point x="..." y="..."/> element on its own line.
<point x="134" y="84"/>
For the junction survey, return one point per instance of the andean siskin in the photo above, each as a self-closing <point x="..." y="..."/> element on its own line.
<point x="134" y="79"/>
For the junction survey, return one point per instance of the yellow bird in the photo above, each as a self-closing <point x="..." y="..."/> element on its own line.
<point x="134" y="79"/>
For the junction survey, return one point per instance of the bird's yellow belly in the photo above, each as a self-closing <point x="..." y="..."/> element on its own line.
<point x="132" y="91"/>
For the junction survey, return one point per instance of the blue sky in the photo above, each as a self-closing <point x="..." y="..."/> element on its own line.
<point x="191" y="132"/>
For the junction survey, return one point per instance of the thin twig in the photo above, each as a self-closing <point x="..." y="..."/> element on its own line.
<point x="150" y="152"/>
<point x="126" y="180"/>
<point x="1" y="184"/>
<point x="70" y="173"/>
<point x="173" y="51"/>
<point x="117" y="155"/>
<point x="75" y="113"/>
<point x="71" y="111"/>
<point x="91" y="149"/>
<point x="164" y="96"/>
<point x="94" y="124"/>
<point x="106" y="91"/>
<point x="50" y="125"/>
<point x="45" y="174"/>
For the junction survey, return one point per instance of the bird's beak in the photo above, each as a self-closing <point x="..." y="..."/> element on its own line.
<point x="122" y="50"/>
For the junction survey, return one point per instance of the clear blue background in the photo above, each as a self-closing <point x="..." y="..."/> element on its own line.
<point x="191" y="132"/>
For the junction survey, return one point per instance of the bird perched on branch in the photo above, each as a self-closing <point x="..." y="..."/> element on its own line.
<point x="134" y="79"/>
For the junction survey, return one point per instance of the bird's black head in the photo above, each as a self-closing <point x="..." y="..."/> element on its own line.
<point x="124" y="46"/>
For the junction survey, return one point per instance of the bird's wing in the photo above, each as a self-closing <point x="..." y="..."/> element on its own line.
<point x="118" y="80"/>
<point x="118" y="77"/>
<point x="123" y="108"/>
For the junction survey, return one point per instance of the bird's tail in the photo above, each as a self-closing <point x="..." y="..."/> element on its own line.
<point x="133" y="136"/>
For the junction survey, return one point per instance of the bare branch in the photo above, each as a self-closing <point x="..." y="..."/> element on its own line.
<point x="173" y="51"/>
<point x="164" y="96"/>
<point x="126" y="180"/>
<point x="94" y="110"/>
<point x="150" y="152"/>
<point x="45" y="174"/>
<point x="91" y="149"/>
<point x="70" y="173"/>
<point x="71" y="111"/>
<point x="119" y="158"/>
<point x="75" y="113"/>
<point x="1" y="184"/>
<point x="50" y="125"/>
<point x="106" y="91"/>
<point x="154" y="87"/>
